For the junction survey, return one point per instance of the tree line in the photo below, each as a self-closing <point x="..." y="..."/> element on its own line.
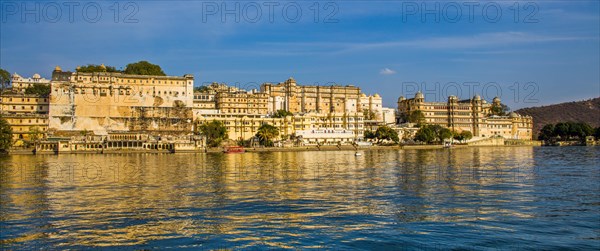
<point x="138" y="68"/>
<point x="568" y="131"/>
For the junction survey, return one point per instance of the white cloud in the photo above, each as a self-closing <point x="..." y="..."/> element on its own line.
<point x="387" y="71"/>
<point x="465" y="42"/>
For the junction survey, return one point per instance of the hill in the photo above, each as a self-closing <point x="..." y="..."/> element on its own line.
<point x="587" y="111"/>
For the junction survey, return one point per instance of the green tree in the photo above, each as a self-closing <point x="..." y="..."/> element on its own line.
<point x="425" y="134"/>
<point x="369" y="134"/>
<point x="282" y="114"/>
<point x="597" y="133"/>
<point x="417" y="117"/>
<point x="214" y="131"/>
<point x="5" y="135"/>
<point x="96" y="68"/>
<point x="467" y="135"/>
<point x="547" y="132"/>
<point x="35" y="134"/>
<point x="41" y="90"/>
<point x="431" y="133"/>
<point x="464" y="135"/>
<point x="386" y="133"/>
<point x="444" y="133"/>
<point x="144" y="68"/>
<point x="562" y="130"/>
<point x="500" y="110"/>
<point x="266" y="133"/>
<point x="203" y="88"/>
<point x="581" y="130"/>
<point x="4" y="79"/>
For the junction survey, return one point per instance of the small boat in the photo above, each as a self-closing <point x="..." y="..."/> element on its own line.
<point x="234" y="149"/>
<point x="357" y="154"/>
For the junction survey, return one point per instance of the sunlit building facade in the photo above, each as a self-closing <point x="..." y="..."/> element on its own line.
<point x="105" y="101"/>
<point x="26" y="113"/>
<point x="474" y="115"/>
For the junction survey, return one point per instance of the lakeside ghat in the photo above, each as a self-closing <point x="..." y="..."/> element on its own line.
<point x="105" y="110"/>
<point x="484" y="197"/>
<point x="195" y="146"/>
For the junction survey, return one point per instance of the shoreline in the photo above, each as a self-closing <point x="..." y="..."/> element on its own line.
<point x="270" y="149"/>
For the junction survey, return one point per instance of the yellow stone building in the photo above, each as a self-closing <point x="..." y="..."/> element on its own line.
<point x="305" y="98"/>
<point x="474" y="115"/>
<point x="105" y="101"/>
<point x="242" y="102"/>
<point x="26" y="113"/>
<point x="313" y="108"/>
<point x="246" y="126"/>
<point x="371" y="106"/>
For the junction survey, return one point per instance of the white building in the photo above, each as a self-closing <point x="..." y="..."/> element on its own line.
<point x="326" y="136"/>
<point x="388" y="116"/>
<point x="19" y="83"/>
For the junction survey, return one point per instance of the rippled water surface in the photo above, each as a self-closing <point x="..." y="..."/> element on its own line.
<point x="480" y="198"/>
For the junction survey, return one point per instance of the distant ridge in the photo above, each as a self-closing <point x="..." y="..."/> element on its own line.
<point x="587" y="111"/>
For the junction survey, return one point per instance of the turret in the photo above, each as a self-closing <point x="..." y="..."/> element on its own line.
<point x="291" y="81"/>
<point x="419" y="97"/>
<point x="452" y="99"/>
<point x="496" y="101"/>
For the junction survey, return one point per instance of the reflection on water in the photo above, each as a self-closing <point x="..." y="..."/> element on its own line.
<point x="515" y="197"/>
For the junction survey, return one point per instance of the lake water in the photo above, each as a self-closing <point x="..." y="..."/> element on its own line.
<point x="473" y="198"/>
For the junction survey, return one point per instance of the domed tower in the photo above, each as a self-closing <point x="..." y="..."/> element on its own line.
<point x="400" y="101"/>
<point x="496" y="108"/>
<point x="419" y="97"/>
<point x="452" y="99"/>
<point x="16" y="77"/>
<point x="476" y="103"/>
<point x="452" y="108"/>
<point x="36" y="77"/>
<point x="476" y="114"/>
<point x="57" y="69"/>
<point x="291" y="81"/>
<point x="496" y="101"/>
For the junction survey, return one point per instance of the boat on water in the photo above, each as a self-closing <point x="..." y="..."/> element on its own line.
<point x="234" y="149"/>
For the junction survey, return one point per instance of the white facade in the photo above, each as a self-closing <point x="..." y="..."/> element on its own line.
<point x="388" y="115"/>
<point x="275" y="103"/>
<point x="326" y="136"/>
<point x="20" y="83"/>
<point x="372" y="103"/>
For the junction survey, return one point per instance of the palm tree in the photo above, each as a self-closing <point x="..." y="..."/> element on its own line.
<point x="266" y="133"/>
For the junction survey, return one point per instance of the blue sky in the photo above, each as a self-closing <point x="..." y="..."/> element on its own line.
<point x="548" y="53"/>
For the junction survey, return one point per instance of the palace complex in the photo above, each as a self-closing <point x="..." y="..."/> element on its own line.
<point x="113" y="103"/>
